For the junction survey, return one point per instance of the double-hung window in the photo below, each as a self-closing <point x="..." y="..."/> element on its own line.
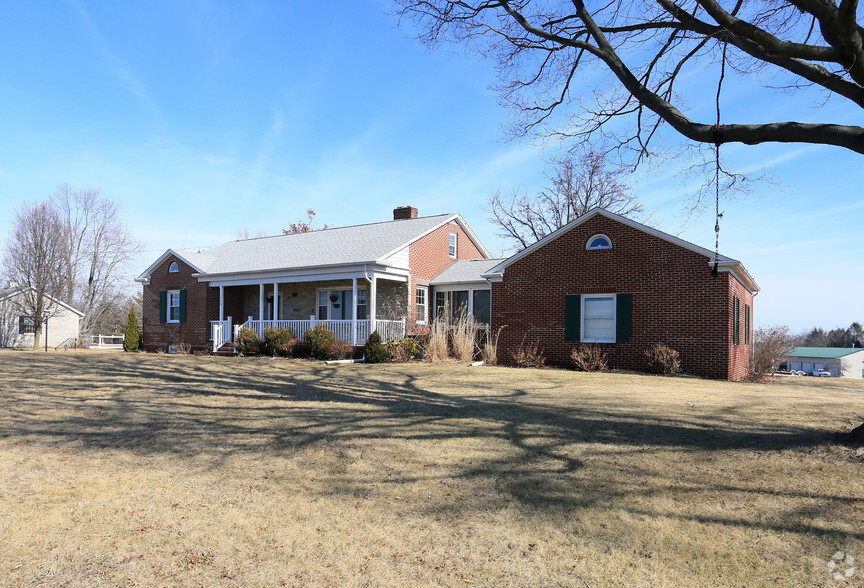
<point x="173" y="306"/>
<point x="422" y="301"/>
<point x="451" y="250"/>
<point x="598" y="319"/>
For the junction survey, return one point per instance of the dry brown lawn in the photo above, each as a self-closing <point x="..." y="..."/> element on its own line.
<point x="157" y="470"/>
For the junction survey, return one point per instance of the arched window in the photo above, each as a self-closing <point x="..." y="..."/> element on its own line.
<point x="599" y="242"/>
<point x="173" y="268"/>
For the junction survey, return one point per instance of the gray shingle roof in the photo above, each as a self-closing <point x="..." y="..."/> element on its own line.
<point x="465" y="271"/>
<point x="342" y="245"/>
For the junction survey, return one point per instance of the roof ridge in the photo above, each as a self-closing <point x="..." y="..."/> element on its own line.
<point x="339" y="228"/>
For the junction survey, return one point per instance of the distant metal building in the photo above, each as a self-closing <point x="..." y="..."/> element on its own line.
<point x="841" y="362"/>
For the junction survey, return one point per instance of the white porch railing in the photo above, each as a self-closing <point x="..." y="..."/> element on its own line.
<point x="105" y="341"/>
<point x="220" y="333"/>
<point x="343" y="330"/>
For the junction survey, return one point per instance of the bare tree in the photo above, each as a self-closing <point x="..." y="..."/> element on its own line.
<point x="575" y="187"/>
<point x="34" y="260"/>
<point x="301" y="226"/>
<point x="645" y="48"/>
<point x="97" y="245"/>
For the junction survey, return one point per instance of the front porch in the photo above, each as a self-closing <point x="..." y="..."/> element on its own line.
<point x="351" y="309"/>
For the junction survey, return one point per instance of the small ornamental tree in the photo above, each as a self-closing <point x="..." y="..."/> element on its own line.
<point x="132" y="340"/>
<point x="375" y="351"/>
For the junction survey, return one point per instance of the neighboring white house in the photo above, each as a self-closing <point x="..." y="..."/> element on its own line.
<point x="842" y="362"/>
<point x="18" y="329"/>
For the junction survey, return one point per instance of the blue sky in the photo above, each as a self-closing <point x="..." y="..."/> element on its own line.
<point x="202" y="118"/>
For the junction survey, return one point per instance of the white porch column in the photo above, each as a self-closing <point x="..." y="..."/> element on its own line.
<point x="373" y="295"/>
<point x="354" y="311"/>
<point x="221" y="303"/>
<point x="260" y="308"/>
<point x="275" y="302"/>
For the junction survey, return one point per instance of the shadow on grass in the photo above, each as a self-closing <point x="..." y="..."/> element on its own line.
<point x="228" y="406"/>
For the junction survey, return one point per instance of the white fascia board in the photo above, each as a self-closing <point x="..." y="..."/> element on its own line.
<point x="317" y="274"/>
<point x="51" y="298"/>
<point x="741" y="274"/>
<point x="145" y="275"/>
<point x="450" y="286"/>
<point x="499" y="269"/>
<point x="447" y="220"/>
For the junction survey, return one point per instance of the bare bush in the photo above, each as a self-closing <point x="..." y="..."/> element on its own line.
<point x="662" y="359"/>
<point x="528" y="355"/>
<point x="771" y="346"/>
<point x="588" y="358"/>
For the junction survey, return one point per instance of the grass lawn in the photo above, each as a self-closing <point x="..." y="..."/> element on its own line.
<point x="124" y="469"/>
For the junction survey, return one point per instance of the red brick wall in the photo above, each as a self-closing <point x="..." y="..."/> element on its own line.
<point x="429" y="256"/>
<point x="202" y="303"/>
<point x="674" y="300"/>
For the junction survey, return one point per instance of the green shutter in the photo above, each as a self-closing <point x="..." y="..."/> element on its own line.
<point x="182" y="306"/>
<point x="163" y="306"/>
<point x="736" y="321"/>
<point x="747" y="321"/>
<point x="572" y="317"/>
<point x="623" y="317"/>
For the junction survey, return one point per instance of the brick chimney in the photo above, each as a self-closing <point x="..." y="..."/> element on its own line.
<point x="404" y="212"/>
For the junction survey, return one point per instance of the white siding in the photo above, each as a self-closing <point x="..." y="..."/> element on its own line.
<point x="400" y="259"/>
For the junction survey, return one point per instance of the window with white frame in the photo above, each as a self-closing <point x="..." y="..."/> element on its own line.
<point x="440" y="303"/>
<point x="336" y="305"/>
<point x="598" y="318"/>
<point x="599" y="242"/>
<point x="26" y="325"/>
<point x="172" y="306"/>
<point x="422" y="304"/>
<point x="451" y="251"/>
<point x="173" y="268"/>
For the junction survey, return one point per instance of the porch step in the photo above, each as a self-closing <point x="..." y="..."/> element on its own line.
<point x="227" y="349"/>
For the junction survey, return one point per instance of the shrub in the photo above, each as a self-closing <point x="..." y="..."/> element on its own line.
<point x="132" y="340"/>
<point x="662" y="359"/>
<point x="403" y="350"/>
<point x="771" y="345"/>
<point x="182" y="348"/>
<point x="588" y="358"/>
<point x="247" y="342"/>
<point x="338" y="350"/>
<point x="316" y="339"/>
<point x="528" y="355"/>
<point x="274" y="339"/>
<point x="293" y="348"/>
<point x="375" y="351"/>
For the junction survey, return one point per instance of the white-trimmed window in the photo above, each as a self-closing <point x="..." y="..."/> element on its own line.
<point x="598" y="318"/>
<point x="451" y="250"/>
<point x="172" y="306"/>
<point x="422" y="301"/>
<point x="26" y="325"/>
<point x="599" y="242"/>
<point x="174" y="267"/>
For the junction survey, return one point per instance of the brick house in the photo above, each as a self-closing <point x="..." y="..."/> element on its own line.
<point x="354" y="279"/>
<point x="608" y="280"/>
<point x="602" y="278"/>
